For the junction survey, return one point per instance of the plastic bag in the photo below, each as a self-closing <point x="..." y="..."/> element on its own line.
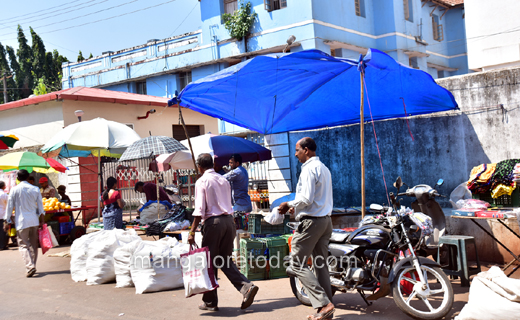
<point x="197" y="272"/>
<point x="472" y="204"/>
<point x="274" y="217"/>
<point x="461" y="192"/>
<point x="151" y="213"/>
<point x="423" y="221"/>
<point x="45" y="238"/>
<point x="55" y="242"/>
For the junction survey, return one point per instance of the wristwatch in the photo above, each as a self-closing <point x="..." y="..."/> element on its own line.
<point x="191" y="233"/>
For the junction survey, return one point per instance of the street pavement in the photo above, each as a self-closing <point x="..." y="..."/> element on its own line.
<point x="51" y="294"/>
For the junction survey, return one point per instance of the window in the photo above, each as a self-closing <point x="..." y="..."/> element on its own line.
<point x="438" y="33"/>
<point x="184" y="79"/>
<point x="440" y="74"/>
<point x="414" y="63"/>
<point x="140" y="87"/>
<point x="179" y="134"/>
<point x="271" y="5"/>
<point x="408" y="10"/>
<point x="360" y="8"/>
<point x="230" y="6"/>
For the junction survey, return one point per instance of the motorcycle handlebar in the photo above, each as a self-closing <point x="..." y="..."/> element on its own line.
<point x="402" y="194"/>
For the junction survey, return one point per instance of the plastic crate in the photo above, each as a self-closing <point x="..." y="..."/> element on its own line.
<point x="55" y="225"/>
<point x="251" y="252"/>
<point x="503" y="201"/>
<point x="277" y="250"/>
<point x="66" y="227"/>
<point x="257" y="225"/>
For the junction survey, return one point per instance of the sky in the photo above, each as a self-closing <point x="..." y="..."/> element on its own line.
<point x="96" y="26"/>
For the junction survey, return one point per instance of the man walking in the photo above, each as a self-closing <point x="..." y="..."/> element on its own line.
<point x="312" y="206"/>
<point x="213" y="207"/>
<point x="239" y="180"/>
<point x="3" y="206"/>
<point x="26" y="200"/>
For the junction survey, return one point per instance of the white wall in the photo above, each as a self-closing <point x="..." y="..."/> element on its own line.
<point x="493" y="33"/>
<point x="33" y="125"/>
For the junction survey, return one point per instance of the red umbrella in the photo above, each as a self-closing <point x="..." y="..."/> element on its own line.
<point x="56" y="165"/>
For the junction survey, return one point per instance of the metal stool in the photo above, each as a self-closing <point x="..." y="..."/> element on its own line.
<point x="460" y="269"/>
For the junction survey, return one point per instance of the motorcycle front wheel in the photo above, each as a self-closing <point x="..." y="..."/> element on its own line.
<point x="431" y="303"/>
<point x="300" y="293"/>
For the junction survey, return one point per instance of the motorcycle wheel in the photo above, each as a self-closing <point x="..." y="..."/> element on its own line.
<point x="300" y="293"/>
<point x="433" y="303"/>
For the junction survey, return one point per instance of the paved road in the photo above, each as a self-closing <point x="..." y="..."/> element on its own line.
<point x="51" y="294"/>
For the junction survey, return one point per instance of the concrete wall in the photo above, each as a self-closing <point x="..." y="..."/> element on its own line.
<point x="493" y="38"/>
<point x="446" y="145"/>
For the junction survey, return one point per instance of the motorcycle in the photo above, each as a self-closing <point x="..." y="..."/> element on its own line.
<point x="381" y="258"/>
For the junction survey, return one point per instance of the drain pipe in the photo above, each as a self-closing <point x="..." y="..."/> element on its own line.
<point x="147" y="114"/>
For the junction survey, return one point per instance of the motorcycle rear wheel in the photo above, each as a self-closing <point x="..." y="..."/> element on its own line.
<point x="300" y="293"/>
<point x="434" y="303"/>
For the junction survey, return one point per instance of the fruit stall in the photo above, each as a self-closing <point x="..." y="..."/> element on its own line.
<point x="60" y="217"/>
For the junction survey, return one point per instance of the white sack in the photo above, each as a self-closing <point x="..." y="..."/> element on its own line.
<point x="492" y="295"/>
<point x="78" y="256"/>
<point x="122" y="258"/>
<point x="155" y="265"/>
<point x="100" y="260"/>
<point x="149" y="214"/>
<point x="274" y="217"/>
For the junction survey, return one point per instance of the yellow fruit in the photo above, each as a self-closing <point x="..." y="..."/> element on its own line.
<point x="67" y="206"/>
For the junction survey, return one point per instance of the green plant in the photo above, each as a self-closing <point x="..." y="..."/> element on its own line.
<point x="239" y="23"/>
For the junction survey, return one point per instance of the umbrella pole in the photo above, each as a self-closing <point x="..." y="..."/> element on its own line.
<point x="99" y="186"/>
<point x="362" y="132"/>
<point x="189" y="142"/>
<point x="157" y="185"/>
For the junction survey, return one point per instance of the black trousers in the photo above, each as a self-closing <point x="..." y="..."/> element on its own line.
<point x="218" y="234"/>
<point x="3" y="236"/>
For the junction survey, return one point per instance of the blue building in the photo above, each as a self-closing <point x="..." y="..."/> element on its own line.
<point x="428" y="35"/>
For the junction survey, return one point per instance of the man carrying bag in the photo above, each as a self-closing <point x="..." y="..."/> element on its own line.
<point x="213" y="206"/>
<point x="26" y="201"/>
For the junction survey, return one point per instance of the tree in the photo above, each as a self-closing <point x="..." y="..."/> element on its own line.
<point x="6" y="70"/>
<point x="40" y="88"/>
<point x="80" y="56"/>
<point x="91" y="56"/>
<point x="25" y="78"/>
<point x="15" y="68"/>
<point x="39" y="62"/>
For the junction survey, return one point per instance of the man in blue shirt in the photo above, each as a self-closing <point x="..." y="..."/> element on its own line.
<point x="239" y="180"/>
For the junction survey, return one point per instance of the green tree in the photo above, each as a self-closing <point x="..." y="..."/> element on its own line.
<point x="91" y="56"/>
<point x="6" y="70"/>
<point x="239" y="23"/>
<point x="40" y="88"/>
<point x="80" y="56"/>
<point x="24" y="79"/>
<point x="15" y="68"/>
<point x="39" y="61"/>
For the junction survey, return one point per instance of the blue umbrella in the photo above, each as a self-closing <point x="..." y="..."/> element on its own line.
<point x="309" y="90"/>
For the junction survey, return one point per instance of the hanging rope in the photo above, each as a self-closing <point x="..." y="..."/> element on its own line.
<point x="406" y="117"/>
<point x="377" y="144"/>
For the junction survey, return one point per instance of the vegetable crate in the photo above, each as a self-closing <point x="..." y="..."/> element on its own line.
<point x="253" y="261"/>
<point x="257" y="225"/>
<point x="503" y="201"/>
<point x="277" y="250"/>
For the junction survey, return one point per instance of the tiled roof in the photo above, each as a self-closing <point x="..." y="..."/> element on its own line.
<point x="450" y="3"/>
<point x="90" y="94"/>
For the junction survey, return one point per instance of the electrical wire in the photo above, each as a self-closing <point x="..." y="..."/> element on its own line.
<point x="100" y="20"/>
<point x="39" y="11"/>
<point x="77" y="17"/>
<point x="180" y="24"/>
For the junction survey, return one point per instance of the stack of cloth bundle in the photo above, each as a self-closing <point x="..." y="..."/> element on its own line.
<point x="516" y="173"/>
<point x="497" y="178"/>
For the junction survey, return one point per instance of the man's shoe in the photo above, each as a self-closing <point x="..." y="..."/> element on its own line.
<point x="205" y="307"/>
<point x="249" y="297"/>
<point x="31" y="272"/>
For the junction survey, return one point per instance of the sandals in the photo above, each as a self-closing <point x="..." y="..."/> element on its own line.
<point x="205" y="307"/>
<point x="322" y="315"/>
<point x="249" y="297"/>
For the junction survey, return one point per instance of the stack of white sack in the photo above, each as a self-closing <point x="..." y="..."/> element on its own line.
<point x="155" y="265"/>
<point x="79" y="254"/>
<point x="122" y="258"/>
<point x="100" y="260"/>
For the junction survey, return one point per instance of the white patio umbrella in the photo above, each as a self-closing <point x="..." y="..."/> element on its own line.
<point x="98" y="137"/>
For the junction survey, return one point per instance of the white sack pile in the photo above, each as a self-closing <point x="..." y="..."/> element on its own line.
<point x="492" y="295"/>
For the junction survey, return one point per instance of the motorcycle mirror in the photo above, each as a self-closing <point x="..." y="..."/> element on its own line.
<point x="376" y="207"/>
<point x="440" y="182"/>
<point x="398" y="183"/>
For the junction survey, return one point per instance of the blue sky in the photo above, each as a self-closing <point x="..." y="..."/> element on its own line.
<point x="47" y="18"/>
